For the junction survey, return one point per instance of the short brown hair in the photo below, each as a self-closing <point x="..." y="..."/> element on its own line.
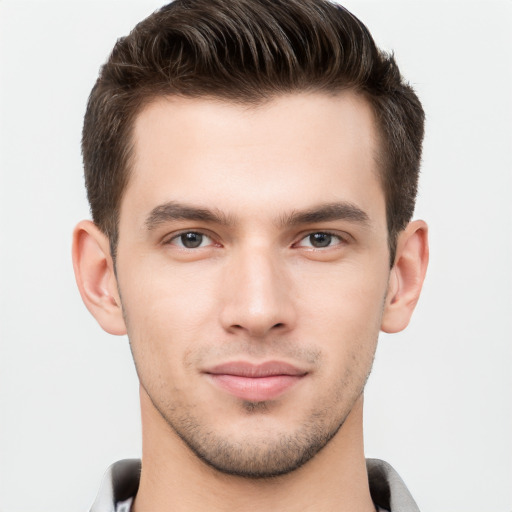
<point x="247" y="51"/>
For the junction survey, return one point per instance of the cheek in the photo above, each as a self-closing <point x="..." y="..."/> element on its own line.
<point x="167" y="311"/>
<point x="160" y="293"/>
<point x="345" y="296"/>
<point x="342" y="311"/>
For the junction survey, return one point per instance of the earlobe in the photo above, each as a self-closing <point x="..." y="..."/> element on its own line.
<point x="95" y="277"/>
<point x="406" y="277"/>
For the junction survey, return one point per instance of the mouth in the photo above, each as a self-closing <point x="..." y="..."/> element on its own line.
<point x="255" y="382"/>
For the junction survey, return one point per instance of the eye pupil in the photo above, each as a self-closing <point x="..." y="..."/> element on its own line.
<point x="191" y="240"/>
<point x="320" y="239"/>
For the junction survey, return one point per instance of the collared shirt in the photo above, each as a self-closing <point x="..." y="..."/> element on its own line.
<point x="121" y="483"/>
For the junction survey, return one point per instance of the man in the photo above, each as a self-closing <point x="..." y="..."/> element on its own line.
<point x="251" y="167"/>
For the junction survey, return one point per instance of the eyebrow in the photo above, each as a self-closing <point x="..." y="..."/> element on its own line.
<point x="326" y="213"/>
<point x="172" y="211"/>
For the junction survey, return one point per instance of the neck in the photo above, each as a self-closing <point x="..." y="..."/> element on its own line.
<point x="174" y="479"/>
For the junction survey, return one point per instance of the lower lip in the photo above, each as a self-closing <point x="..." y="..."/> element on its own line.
<point x="255" y="389"/>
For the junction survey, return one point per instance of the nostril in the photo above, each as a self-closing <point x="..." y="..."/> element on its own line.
<point x="280" y="324"/>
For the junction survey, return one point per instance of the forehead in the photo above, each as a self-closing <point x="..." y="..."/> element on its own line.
<point x="293" y="151"/>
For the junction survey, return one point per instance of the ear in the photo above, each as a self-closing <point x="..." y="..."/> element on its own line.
<point x="406" y="277"/>
<point x="95" y="277"/>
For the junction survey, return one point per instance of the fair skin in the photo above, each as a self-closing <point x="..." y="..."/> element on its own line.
<point x="253" y="277"/>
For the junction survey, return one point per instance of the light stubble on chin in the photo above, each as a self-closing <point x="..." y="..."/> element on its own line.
<point x="263" y="455"/>
<point x="257" y="458"/>
<point x="267" y="456"/>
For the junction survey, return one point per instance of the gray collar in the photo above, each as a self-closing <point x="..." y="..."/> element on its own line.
<point x="388" y="489"/>
<point x="121" y="483"/>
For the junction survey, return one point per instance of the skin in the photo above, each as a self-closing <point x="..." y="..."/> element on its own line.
<point x="285" y="205"/>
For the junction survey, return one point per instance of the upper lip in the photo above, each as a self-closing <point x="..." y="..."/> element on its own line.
<point x="250" y="370"/>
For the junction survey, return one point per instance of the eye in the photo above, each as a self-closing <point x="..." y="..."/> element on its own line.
<point x="320" y="240"/>
<point x="191" y="240"/>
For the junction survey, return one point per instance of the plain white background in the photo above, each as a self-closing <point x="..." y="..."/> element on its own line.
<point x="439" y="402"/>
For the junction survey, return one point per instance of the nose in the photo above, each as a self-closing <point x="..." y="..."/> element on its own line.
<point x="257" y="295"/>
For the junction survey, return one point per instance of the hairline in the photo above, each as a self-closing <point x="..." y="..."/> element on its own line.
<point x="252" y="102"/>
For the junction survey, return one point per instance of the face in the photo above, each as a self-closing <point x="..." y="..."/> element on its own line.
<point x="253" y="267"/>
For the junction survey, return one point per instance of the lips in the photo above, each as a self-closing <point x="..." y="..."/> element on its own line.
<point x="255" y="382"/>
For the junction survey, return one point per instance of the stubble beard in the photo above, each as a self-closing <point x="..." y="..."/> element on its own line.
<point x="263" y="456"/>
<point x="280" y="453"/>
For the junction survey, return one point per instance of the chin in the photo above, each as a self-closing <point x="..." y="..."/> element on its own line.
<point x="266" y="451"/>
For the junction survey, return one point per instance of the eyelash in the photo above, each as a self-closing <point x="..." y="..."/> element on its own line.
<point x="341" y="240"/>
<point x="177" y="236"/>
